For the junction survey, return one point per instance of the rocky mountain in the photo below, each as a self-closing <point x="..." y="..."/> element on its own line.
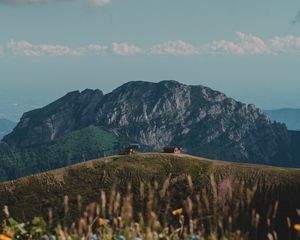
<point x="202" y="121"/>
<point x="6" y="126"/>
<point x="73" y="111"/>
<point x="288" y="116"/>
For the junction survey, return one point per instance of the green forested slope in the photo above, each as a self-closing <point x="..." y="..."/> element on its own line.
<point x="77" y="146"/>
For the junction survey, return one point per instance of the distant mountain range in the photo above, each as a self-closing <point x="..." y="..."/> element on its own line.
<point x="6" y="126"/>
<point x="289" y="116"/>
<point x="202" y="121"/>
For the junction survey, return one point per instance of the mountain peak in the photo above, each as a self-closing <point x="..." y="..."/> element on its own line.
<point x="141" y="83"/>
<point x="203" y="121"/>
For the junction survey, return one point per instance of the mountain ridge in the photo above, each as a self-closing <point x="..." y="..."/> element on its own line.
<point x="203" y="121"/>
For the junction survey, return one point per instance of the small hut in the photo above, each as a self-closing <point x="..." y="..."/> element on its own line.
<point x="132" y="148"/>
<point x="176" y="150"/>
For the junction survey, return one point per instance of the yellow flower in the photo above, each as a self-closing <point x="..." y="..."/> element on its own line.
<point x="297" y="227"/>
<point x="3" y="237"/>
<point x="177" y="211"/>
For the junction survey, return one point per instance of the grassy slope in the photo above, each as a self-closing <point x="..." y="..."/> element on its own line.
<point x="31" y="196"/>
<point x="75" y="147"/>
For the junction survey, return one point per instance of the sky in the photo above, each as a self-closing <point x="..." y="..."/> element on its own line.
<point x="250" y="50"/>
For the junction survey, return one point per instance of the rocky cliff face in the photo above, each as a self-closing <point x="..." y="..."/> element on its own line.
<point x="203" y="121"/>
<point x="71" y="112"/>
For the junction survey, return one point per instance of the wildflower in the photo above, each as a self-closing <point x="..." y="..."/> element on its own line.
<point x="3" y="237"/>
<point x="102" y="222"/>
<point x="177" y="211"/>
<point x="9" y="233"/>
<point x="297" y="227"/>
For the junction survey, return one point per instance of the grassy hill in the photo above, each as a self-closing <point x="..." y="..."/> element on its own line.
<point x="34" y="195"/>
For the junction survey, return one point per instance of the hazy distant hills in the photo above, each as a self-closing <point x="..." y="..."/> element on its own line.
<point x="203" y="121"/>
<point x="289" y="116"/>
<point x="6" y="126"/>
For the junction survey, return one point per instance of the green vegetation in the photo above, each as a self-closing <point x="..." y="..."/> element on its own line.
<point x="219" y="211"/>
<point x="239" y="192"/>
<point x="78" y="146"/>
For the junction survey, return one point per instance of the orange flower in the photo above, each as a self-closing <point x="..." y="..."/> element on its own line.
<point x="102" y="222"/>
<point x="3" y="237"/>
<point x="9" y="233"/>
<point x="297" y="227"/>
<point x="177" y="211"/>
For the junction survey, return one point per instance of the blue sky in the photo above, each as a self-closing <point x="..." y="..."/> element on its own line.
<point x="248" y="49"/>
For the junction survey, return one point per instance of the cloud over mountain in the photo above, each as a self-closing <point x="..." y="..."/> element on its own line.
<point x="25" y="48"/>
<point x="243" y="44"/>
<point x="95" y="49"/>
<point x="125" y="49"/>
<point x="286" y="44"/>
<point x="178" y="47"/>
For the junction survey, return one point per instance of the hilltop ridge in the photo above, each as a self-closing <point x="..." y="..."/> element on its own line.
<point x="34" y="195"/>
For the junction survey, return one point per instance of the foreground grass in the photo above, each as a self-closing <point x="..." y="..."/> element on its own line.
<point x="225" y="211"/>
<point x="136" y="197"/>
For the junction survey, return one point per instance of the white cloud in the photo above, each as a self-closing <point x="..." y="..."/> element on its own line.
<point x="57" y="50"/>
<point x="95" y="49"/>
<point x="25" y="48"/>
<point x="99" y="3"/>
<point x="126" y="49"/>
<point x="285" y="44"/>
<point x="252" y="44"/>
<point x="226" y="47"/>
<point x="245" y="44"/>
<point x="178" y="48"/>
